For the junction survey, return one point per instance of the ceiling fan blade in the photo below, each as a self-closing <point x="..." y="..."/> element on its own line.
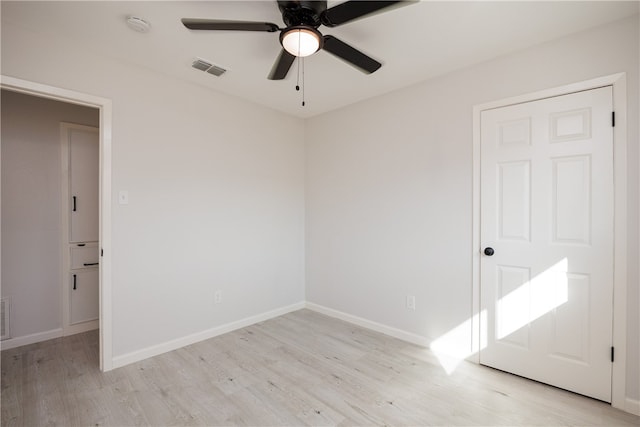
<point x="355" y="9"/>
<point x="222" y="25"/>
<point x="351" y="55"/>
<point x="281" y="66"/>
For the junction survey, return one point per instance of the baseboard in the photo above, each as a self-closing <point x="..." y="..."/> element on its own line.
<point x="369" y="324"/>
<point x="632" y="406"/>
<point x="82" y="327"/>
<point x="155" y="350"/>
<point x="30" y="339"/>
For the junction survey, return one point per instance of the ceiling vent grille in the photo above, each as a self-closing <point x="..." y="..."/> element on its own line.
<point x="208" y="67"/>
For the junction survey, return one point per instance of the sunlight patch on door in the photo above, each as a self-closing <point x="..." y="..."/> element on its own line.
<point x="524" y="300"/>
<point x="532" y="299"/>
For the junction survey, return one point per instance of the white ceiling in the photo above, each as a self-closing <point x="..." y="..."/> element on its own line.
<point x="414" y="43"/>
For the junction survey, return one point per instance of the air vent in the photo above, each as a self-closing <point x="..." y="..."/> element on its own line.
<point x="4" y="319"/>
<point x="202" y="65"/>
<point x="216" y="71"/>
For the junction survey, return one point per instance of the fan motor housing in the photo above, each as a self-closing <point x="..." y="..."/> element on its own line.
<point x="296" y="13"/>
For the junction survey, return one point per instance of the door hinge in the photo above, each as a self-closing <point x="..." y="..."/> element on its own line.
<point x="101" y="252"/>
<point x="613" y="119"/>
<point x="612" y="354"/>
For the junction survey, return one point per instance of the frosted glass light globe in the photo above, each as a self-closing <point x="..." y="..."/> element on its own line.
<point x="301" y="42"/>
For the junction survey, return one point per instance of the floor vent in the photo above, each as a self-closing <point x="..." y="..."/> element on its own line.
<point x="208" y="67"/>
<point x="5" y="307"/>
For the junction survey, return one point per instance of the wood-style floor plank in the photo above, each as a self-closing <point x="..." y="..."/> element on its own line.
<point x="302" y="368"/>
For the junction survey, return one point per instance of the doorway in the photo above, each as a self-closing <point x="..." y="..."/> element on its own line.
<point x="104" y="228"/>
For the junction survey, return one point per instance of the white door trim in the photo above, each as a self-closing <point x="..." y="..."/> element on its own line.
<point x="105" y="108"/>
<point x="619" y="84"/>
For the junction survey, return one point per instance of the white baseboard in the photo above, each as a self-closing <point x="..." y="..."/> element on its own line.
<point x="82" y="327"/>
<point x="30" y="339"/>
<point x="632" y="406"/>
<point x="155" y="350"/>
<point x="369" y="324"/>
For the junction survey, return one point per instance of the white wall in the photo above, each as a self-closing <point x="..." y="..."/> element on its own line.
<point x="389" y="186"/>
<point x="31" y="192"/>
<point x="216" y="194"/>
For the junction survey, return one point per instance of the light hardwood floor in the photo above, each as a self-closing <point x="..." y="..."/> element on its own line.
<point x="299" y="369"/>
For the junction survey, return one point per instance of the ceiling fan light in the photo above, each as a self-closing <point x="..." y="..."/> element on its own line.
<point x="301" y="41"/>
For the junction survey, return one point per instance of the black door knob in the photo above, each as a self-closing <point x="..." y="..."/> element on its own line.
<point x="488" y="251"/>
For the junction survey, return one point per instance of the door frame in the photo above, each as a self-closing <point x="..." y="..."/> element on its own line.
<point x="619" y="85"/>
<point x="104" y="107"/>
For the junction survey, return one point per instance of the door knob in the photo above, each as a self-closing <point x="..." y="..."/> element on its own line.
<point x="489" y="251"/>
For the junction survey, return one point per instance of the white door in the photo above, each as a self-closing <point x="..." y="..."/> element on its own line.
<point x="547" y="214"/>
<point x="84" y="186"/>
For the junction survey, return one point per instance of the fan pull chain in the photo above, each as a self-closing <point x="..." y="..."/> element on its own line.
<point x="298" y="80"/>
<point x="301" y="60"/>
<point x="303" y="82"/>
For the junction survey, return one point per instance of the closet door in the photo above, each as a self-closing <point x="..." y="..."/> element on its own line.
<point x="547" y="218"/>
<point x="84" y="184"/>
<point x="84" y="295"/>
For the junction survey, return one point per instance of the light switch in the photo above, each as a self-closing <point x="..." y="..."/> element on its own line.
<point x="123" y="197"/>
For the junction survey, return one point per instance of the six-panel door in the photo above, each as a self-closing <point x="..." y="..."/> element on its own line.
<point x="547" y="212"/>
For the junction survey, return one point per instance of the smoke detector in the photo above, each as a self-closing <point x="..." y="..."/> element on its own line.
<point x="138" y="24"/>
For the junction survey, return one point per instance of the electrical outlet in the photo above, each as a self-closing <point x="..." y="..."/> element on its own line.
<point x="217" y="297"/>
<point x="411" y="302"/>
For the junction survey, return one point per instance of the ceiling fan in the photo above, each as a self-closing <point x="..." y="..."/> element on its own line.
<point x="301" y="37"/>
